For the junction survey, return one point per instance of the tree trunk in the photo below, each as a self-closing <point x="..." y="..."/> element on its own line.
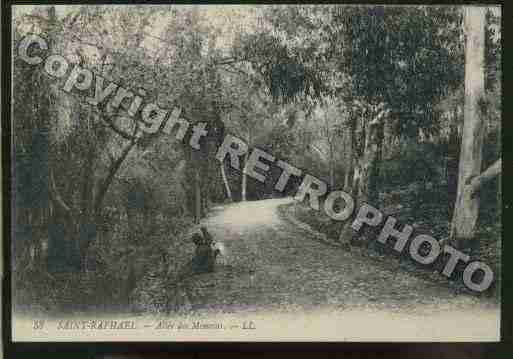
<point x="365" y="188"/>
<point x="244" y="180"/>
<point x="205" y="203"/>
<point x="452" y="167"/>
<point x="347" y="179"/>
<point x="467" y="206"/>
<point x="499" y="180"/>
<point x="197" y="196"/>
<point x="63" y="246"/>
<point x="332" y="174"/>
<point x="379" y="154"/>
<point x="88" y="182"/>
<point x="499" y="199"/>
<point x="226" y="184"/>
<point x="348" y="176"/>
<point x="332" y="163"/>
<point x="102" y="191"/>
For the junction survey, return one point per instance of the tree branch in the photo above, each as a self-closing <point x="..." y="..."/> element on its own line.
<point x="116" y="129"/>
<point x="55" y="196"/>
<point x="135" y="140"/>
<point x="475" y="183"/>
<point x="112" y="172"/>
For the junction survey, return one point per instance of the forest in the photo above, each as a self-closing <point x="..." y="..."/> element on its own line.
<point x="400" y="106"/>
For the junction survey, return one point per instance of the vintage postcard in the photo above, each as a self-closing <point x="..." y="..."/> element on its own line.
<point x="255" y="173"/>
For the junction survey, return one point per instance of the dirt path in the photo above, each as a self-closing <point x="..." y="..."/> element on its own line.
<point x="269" y="264"/>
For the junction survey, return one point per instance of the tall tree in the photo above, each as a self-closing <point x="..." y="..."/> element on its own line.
<point x="470" y="178"/>
<point x="87" y="147"/>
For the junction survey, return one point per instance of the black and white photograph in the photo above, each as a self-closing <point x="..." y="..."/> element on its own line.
<point x="255" y="173"/>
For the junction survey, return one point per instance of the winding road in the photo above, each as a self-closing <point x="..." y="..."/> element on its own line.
<point x="271" y="265"/>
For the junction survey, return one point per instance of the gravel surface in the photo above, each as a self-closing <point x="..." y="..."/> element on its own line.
<point x="271" y="264"/>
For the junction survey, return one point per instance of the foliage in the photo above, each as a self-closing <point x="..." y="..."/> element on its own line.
<point x="299" y="82"/>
